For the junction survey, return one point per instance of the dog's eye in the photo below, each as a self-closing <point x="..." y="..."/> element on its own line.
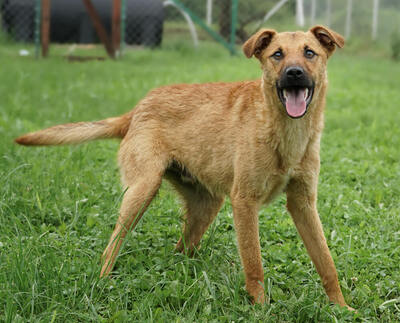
<point x="309" y="53"/>
<point x="277" y="55"/>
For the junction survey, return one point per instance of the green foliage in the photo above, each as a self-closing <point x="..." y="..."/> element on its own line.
<point x="396" y="45"/>
<point x="58" y="204"/>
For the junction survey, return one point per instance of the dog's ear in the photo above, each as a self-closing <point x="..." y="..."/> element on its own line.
<point x="258" y="42"/>
<point x="327" y="38"/>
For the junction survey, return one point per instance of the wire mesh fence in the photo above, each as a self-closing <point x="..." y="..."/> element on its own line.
<point x="157" y="23"/>
<point x="147" y="23"/>
<point x="18" y="19"/>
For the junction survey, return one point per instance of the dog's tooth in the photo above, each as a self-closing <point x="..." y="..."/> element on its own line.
<point x="284" y="94"/>
<point x="306" y="93"/>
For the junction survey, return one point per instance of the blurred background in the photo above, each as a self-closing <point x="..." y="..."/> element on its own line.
<point x="372" y="25"/>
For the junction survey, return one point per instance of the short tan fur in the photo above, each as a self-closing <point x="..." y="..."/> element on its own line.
<point x="225" y="139"/>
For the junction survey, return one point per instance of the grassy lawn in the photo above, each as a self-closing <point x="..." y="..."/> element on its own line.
<point x="58" y="205"/>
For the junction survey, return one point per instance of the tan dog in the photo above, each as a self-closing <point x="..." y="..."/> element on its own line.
<point x="248" y="140"/>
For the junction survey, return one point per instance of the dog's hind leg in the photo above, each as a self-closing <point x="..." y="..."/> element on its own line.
<point x="136" y="199"/>
<point x="201" y="208"/>
<point x="143" y="185"/>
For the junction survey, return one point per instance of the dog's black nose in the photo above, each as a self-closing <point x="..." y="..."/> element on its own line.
<point x="294" y="72"/>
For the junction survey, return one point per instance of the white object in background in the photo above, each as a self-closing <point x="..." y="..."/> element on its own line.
<point x="313" y="11"/>
<point x="347" y="31"/>
<point x="299" y="13"/>
<point x="23" y="52"/>
<point x="375" y="19"/>
<point x="270" y="13"/>
<point x="328" y="12"/>
<point x="209" y="12"/>
<point x="189" y="21"/>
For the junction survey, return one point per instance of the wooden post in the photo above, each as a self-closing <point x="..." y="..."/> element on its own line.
<point x="100" y="30"/>
<point x="45" y="32"/>
<point x="116" y="26"/>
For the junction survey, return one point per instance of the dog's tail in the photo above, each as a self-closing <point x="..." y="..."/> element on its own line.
<point x="75" y="133"/>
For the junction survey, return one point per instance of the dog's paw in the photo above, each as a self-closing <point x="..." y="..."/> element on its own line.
<point x="259" y="299"/>
<point x="350" y="308"/>
<point x="184" y="249"/>
<point x="256" y="293"/>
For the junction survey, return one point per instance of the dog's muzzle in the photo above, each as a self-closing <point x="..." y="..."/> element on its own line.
<point x="295" y="90"/>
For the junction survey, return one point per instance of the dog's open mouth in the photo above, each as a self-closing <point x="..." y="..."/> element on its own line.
<point x="296" y="99"/>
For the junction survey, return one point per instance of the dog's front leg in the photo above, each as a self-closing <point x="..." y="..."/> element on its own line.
<point x="301" y="203"/>
<point x="245" y="216"/>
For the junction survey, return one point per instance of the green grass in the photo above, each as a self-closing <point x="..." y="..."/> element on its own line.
<point x="58" y="205"/>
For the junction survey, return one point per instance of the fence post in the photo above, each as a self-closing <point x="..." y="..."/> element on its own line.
<point x="328" y="12"/>
<point x="98" y="26"/>
<point x="209" y="12"/>
<point x="313" y="11"/>
<point x="116" y="26"/>
<point x="347" y="31"/>
<point x="233" y="26"/>
<point x="38" y="11"/>
<point x="375" y="19"/>
<point x="45" y="30"/>
<point x="299" y="13"/>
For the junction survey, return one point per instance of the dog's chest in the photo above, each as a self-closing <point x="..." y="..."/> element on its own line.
<point x="288" y="155"/>
<point x="292" y="147"/>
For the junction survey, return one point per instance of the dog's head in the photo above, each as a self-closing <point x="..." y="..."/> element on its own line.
<point x="294" y="63"/>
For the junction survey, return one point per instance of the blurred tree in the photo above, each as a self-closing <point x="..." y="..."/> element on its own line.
<point x="251" y="12"/>
<point x="395" y="44"/>
<point x="224" y="21"/>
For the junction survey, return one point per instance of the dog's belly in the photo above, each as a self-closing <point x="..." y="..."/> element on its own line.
<point x="212" y="174"/>
<point x="204" y="159"/>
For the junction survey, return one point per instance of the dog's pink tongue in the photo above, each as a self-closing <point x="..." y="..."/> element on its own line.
<point x="296" y="102"/>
